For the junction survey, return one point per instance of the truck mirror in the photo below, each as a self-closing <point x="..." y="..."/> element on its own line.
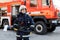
<point x="48" y="3"/>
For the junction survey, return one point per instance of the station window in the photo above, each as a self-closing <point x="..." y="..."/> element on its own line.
<point x="33" y="3"/>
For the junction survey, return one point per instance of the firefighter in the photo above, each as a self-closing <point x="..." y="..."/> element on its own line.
<point x="24" y="24"/>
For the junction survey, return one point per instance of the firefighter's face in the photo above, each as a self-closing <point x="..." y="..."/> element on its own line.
<point x="23" y="10"/>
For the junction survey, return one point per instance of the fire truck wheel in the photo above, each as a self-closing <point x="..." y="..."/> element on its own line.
<point x="51" y="29"/>
<point x="5" y="22"/>
<point x="40" y="28"/>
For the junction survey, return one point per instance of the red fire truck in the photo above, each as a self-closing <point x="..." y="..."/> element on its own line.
<point x="42" y="11"/>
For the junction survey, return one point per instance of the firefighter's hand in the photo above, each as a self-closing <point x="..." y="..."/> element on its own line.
<point x="15" y="29"/>
<point x="32" y="27"/>
<point x="15" y="24"/>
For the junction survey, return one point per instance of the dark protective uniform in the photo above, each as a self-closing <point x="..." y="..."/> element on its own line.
<point x="23" y="22"/>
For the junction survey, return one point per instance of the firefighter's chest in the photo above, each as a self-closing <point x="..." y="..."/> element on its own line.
<point x="24" y="18"/>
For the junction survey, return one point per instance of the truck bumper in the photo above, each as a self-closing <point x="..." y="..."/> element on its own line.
<point x="55" y="22"/>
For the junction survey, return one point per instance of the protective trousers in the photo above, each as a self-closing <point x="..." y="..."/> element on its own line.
<point x="21" y="36"/>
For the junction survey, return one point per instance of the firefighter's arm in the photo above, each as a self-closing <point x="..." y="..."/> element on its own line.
<point x="15" y="24"/>
<point x="31" y="20"/>
<point x="31" y="23"/>
<point x="16" y="20"/>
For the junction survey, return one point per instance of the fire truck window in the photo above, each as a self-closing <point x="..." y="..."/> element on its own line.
<point x="33" y="3"/>
<point x="4" y="12"/>
<point x="24" y="2"/>
<point x="15" y="10"/>
<point x="45" y="2"/>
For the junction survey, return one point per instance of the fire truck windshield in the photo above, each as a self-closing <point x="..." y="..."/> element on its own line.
<point x="56" y="4"/>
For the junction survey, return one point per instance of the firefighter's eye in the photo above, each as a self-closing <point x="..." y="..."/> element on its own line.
<point x="24" y="9"/>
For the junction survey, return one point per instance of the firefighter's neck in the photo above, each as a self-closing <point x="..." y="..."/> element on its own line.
<point x="22" y="13"/>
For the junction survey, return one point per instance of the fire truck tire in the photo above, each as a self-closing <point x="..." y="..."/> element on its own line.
<point x="51" y="29"/>
<point x="5" y="22"/>
<point x="40" y="28"/>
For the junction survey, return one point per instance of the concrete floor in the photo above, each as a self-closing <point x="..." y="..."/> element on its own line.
<point x="11" y="35"/>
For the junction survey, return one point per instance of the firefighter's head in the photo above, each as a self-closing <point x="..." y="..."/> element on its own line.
<point x="22" y="9"/>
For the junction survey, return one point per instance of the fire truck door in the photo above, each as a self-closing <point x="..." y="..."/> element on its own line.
<point x="15" y="10"/>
